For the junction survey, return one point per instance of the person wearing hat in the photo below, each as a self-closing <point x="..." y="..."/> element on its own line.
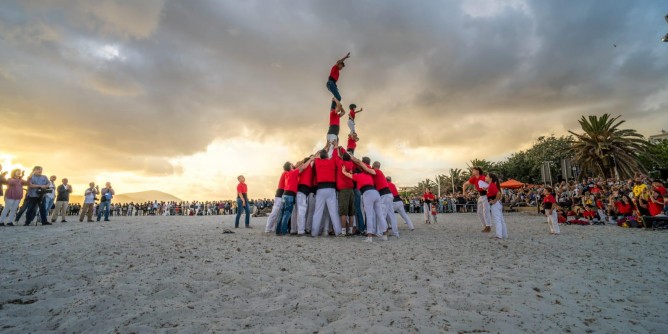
<point x="351" y="116"/>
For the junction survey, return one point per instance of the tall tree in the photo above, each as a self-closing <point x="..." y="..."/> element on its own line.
<point x="604" y="148"/>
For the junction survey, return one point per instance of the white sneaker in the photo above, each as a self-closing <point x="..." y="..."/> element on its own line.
<point x="343" y="234"/>
<point x="383" y="237"/>
<point x="368" y="239"/>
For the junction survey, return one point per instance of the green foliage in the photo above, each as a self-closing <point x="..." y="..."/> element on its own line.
<point x="603" y="147"/>
<point x="525" y="166"/>
<point x="656" y="156"/>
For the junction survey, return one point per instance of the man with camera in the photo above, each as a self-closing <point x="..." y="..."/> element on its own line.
<point x="38" y="186"/>
<point x="89" y="202"/>
<point x="62" y="200"/>
<point x="106" y="195"/>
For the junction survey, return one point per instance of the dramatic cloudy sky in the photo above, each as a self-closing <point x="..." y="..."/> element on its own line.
<point x="182" y="96"/>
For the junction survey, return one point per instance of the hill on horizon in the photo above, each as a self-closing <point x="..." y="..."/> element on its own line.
<point x="136" y="197"/>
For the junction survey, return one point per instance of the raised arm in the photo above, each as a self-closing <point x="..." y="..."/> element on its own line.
<point x="465" y="185"/>
<point x="343" y="59"/>
<point x="346" y="173"/>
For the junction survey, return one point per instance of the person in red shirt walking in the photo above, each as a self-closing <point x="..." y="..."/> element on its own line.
<point x="428" y="198"/>
<point x="550" y="206"/>
<point x="483" y="210"/>
<point x="242" y="202"/>
<point x="334" y="78"/>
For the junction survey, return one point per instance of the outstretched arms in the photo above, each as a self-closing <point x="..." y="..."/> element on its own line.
<point x="343" y="59"/>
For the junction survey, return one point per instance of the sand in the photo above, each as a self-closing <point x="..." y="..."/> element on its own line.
<point x="183" y="275"/>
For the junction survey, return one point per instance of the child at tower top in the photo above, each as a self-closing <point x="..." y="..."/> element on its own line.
<point x="334" y="77"/>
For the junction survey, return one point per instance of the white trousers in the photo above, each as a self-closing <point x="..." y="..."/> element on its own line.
<point x="553" y="222"/>
<point x="427" y="213"/>
<point x="274" y="215"/>
<point x="309" y="212"/>
<point x="388" y="214"/>
<point x="326" y="197"/>
<point x="399" y="208"/>
<point x="484" y="211"/>
<point x="499" y="222"/>
<point x="351" y="125"/>
<point x="373" y="207"/>
<point x="9" y="211"/>
<point x="299" y="214"/>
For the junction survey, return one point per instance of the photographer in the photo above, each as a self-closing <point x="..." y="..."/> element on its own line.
<point x="89" y="202"/>
<point x="38" y="186"/>
<point x="106" y="195"/>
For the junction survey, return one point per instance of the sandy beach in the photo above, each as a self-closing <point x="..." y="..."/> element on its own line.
<point x="183" y="275"/>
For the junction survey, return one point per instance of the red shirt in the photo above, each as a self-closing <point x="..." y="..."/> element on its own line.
<point x="334" y="73"/>
<point x="661" y="191"/>
<point x="474" y="181"/>
<point x="325" y="171"/>
<point x="492" y="190"/>
<point x="624" y="209"/>
<point x="379" y="180"/>
<point x="351" y="114"/>
<point x="549" y="199"/>
<point x="334" y="118"/>
<point x="292" y="180"/>
<point x="342" y="181"/>
<point x="306" y="176"/>
<point x="589" y="214"/>
<point x="352" y="144"/>
<point x="242" y="188"/>
<point x="281" y="181"/>
<point x="393" y="189"/>
<point x="363" y="180"/>
<point x="428" y="197"/>
<point x="655" y="208"/>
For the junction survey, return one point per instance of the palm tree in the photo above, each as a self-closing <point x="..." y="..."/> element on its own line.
<point x="456" y="178"/>
<point x="605" y="149"/>
<point x="482" y="163"/>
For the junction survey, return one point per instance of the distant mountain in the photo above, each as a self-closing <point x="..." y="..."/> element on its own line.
<point x="138" y="197"/>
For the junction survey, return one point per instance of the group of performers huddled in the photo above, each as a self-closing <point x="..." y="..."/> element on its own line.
<point x="325" y="193"/>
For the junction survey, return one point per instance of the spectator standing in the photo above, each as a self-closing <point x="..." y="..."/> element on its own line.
<point x="38" y="185"/>
<point x="89" y="202"/>
<point x="62" y="200"/>
<point x="106" y="195"/>
<point x="13" y="196"/>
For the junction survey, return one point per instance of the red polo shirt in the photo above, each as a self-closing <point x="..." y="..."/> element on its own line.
<point x="242" y="188"/>
<point x="334" y="73"/>
<point x="363" y="180"/>
<point x="342" y="181"/>
<point x="306" y="176"/>
<point x="351" y="114"/>
<point x="352" y="144"/>
<point x="334" y="118"/>
<point x="492" y="190"/>
<point x="474" y="181"/>
<point x="428" y="197"/>
<point x="393" y="189"/>
<point x="292" y="181"/>
<point x="325" y="173"/>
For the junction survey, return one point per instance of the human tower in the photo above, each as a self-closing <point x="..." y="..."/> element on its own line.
<point x="331" y="191"/>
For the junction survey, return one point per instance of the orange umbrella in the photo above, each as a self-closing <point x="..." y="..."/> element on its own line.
<point x="512" y="184"/>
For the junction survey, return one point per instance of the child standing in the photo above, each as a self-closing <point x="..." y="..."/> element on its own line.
<point x="352" y="143"/>
<point x="334" y="77"/>
<point x="351" y="117"/>
<point x="494" y="198"/>
<point x="549" y="204"/>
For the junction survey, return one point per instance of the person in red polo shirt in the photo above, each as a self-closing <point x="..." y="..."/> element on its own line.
<point x="494" y="197"/>
<point x="398" y="204"/>
<point x="346" y="195"/>
<point x="351" y="116"/>
<point x="483" y="210"/>
<point x="334" y="78"/>
<point x="276" y="208"/>
<point x="304" y="189"/>
<point x="290" y="191"/>
<point x="550" y="206"/>
<point x="325" y="178"/>
<point x="428" y="198"/>
<point x="334" y="127"/>
<point x="242" y="202"/>
<point x="352" y="143"/>
<point x="373" y="207"/>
